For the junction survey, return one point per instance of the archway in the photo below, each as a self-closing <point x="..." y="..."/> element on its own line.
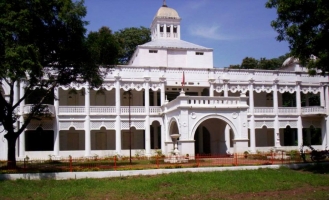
<point x="210" y="135"/>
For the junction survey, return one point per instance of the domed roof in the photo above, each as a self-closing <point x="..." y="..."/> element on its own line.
<point x="289" y="61"/>
<point x="166" y="12"/>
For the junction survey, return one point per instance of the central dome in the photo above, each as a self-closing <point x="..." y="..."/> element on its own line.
<point x="166" y="12"/>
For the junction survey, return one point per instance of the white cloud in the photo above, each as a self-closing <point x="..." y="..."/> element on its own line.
<point x="211" y="32"/>
<point x="215" y="32"/>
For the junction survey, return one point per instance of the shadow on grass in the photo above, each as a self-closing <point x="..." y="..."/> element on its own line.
<point x="316" y="168"/>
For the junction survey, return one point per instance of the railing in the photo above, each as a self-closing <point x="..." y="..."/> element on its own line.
<point x="102" y="110"/>
<point x="155" y="110"/>
<point x="313" y="110"/>
<point x="48" y="109"/>
<point x="96" y="163"/>
<point x="71" y="110"/>
<point x="287" y="110"/>
<point x="263" y="110"/>
<point x="133" y="109"/>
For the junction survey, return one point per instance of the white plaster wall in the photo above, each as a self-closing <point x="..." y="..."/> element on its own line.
<point x="177" y="58"/>
<point x="199" y="61"/>
<point x="151" y="59"/>
<point x="3" y="144"/>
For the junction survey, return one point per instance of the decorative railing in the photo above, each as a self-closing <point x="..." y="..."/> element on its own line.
<point x="108" y="110"/>
<point x="71" y="110"/>
<point x="263" y="110"/>
<point x="313" y="110"/>
<point x="48" y="109"/>
<point x="287" y="110"/>
<point x="102" y="110"/>
<point x="133" y="109"/>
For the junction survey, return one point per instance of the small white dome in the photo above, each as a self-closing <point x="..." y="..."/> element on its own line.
<point x="166" y="12"/>
<point x="289" y="61"/>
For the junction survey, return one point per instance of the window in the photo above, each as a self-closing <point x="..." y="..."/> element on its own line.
<point x="199" y="53"/>
<point x="175" y="29"/>
<point x="153" y="51"/>
<point x="168" y="29"/>
<point x="161" y="29"/>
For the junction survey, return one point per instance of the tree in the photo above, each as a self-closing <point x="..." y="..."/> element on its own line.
<point x="128" y="39"/>
<point x="104" y="46"/>
<point x="249" y="63"/>
<point x="304" y="25"/>
<point x="42" y="45"/>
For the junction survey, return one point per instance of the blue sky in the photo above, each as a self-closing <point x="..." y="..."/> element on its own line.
<point x="234" y="29"/>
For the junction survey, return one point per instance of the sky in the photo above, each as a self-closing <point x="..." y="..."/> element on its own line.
<point x="234" y="29"/>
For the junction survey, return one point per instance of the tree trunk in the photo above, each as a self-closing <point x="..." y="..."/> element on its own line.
<point x="11" y="159"/>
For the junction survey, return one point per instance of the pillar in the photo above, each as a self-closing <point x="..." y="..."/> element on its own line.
<point x="211" y="89"/>
<point x="117" y="118"/>
<point x="21" y="120"/>
<point x="147" y="118"/>
<point x="226" y="87"/>
<point x="87" y="121"/>
<point x="56" y="123"/>
<point x="276" y="111"/>
<point x="227" y="138"/>
<point x="300" y="131"/>
<point x="252" y="119"/>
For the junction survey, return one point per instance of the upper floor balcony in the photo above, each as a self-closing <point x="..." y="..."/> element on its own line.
<point x="305" y="111"/>
<point x="46" y="110"/>
<point x="108" y="110"/>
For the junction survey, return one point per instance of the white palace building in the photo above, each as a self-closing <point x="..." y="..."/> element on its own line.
<point x="219" y="110"/>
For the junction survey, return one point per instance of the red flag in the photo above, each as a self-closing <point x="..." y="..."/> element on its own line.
<point x="183" y="81"/>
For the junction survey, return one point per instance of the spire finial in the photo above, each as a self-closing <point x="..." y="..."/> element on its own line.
<point x="164" y="4"/>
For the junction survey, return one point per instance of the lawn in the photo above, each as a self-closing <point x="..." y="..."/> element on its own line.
<point x="308" y="183"/>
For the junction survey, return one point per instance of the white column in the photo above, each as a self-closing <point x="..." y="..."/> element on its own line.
<point x="178" y="31"/>
<point x="225" y="88"/>
<point x="299" y="131"/>
<point x="252" y="119"/>
<point x="163" y="93"/>
<point x="322" y="95"/>
<point x="326" y="94"/>
<point x="276" y="111"/>
<point x="327" y="133"/>
<point x="147" y="118"/>
<point x="298" y="98"/>
<point x="165" y="30"/>
<point x="87" y="121"/>
<point x="211" y="89"/>
<point x="158" y="31"/>
<point x="171" y="31"/>
<point x="21" y="119"/>
<point x="56" y="123"/>
<point x="227" y="138"/>
<point x="118" y="118"/>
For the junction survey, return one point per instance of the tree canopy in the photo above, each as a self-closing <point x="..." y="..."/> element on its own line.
<point x="42" y="45"/>
<point x="262" y="63"/>
<point x="304" y="25"/>
<point x="104" y="46"/>
<point x="129" y="39"/>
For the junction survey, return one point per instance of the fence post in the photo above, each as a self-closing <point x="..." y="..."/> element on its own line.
<point x="115" y="163"/>
<point x="70" y="157"/>
<point x="236" y="159"/>
<point x="281" y="157"/>
<point x="197" y="160"/>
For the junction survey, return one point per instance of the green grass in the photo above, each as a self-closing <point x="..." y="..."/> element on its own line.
<point x="309" y="183"/>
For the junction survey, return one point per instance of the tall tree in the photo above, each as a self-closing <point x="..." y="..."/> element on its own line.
<point x="42" y="45"/>
<point x="305" y="25"/>
<point x="104" y="46"/>
<point x="128" y="39"/>
<point x="249" y="63"/>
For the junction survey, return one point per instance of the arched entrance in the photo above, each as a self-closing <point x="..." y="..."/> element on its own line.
<point x="213" y="136"/>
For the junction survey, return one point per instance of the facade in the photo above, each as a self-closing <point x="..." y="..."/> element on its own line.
<point x="216" y="111"/>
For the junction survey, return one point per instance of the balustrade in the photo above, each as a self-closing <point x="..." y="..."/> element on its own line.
<point x="49" y="109"/>
<point x="313" y="110"/>
<point x="71" y="110"/>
